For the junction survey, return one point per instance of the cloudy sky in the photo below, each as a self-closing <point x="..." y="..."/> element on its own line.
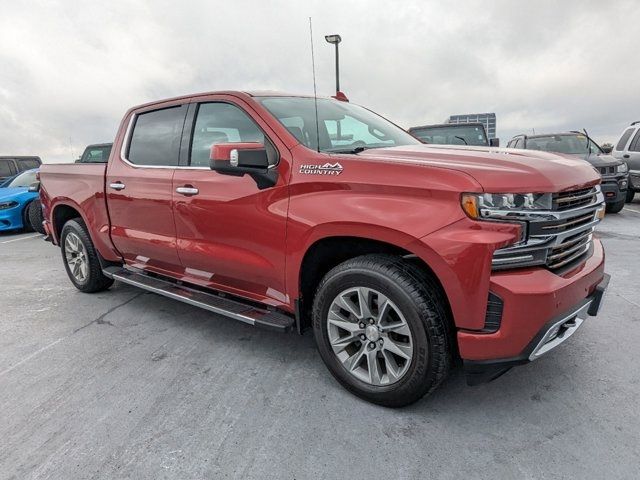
<point x="69" y="70"/>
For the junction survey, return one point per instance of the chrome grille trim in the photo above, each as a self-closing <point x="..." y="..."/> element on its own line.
<point x="574" y="198"/>
<point x="555" y="238"/>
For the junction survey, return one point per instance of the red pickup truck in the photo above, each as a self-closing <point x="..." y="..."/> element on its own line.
<point x="287" y="211"/>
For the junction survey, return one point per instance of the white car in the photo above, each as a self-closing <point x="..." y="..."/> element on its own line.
<point x="628" y="150"/>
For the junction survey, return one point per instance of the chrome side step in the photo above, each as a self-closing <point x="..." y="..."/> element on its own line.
<point x="237" y="310"/>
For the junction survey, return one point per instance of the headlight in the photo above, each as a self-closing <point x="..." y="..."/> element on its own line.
<point x="7" y="205"/>
<point x="480" y="205"/>
<point x="622" y="168"/>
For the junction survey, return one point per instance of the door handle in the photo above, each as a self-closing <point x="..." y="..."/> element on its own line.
<point x="117" y="185"/>
<point x="187" y="190"/>
<point x="626" y="155"/>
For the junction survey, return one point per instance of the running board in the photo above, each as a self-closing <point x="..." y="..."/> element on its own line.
<point x="260" y="317"/>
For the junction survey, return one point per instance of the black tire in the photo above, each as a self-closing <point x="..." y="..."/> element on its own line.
<point x="418" y="298"/>
<point x="615" y="207"/>
<point x="95" y="280"/>
<point x="26" y="224"/>
<point x="630" y="195"/>
<point x="35" y="216"/>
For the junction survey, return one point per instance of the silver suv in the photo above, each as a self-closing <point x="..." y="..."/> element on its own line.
<point x="628" y="150"/>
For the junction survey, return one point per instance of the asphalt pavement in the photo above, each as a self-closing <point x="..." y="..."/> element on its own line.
<point x="127" y="384"/>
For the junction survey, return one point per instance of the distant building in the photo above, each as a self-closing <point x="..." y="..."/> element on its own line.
<point x="488" y="119"/>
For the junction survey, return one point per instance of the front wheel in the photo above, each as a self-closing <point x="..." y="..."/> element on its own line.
<point x="81" y="258"/>
<point x="381" y="329"/>
<point x="615" y="207"/>
<point x="630" y="194"/>
<point x="35" y="216"/>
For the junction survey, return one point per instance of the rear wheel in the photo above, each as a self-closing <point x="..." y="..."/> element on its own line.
<point x="81" y="258"/>
<point x="615" y="207"/>
<point x="380" y="327"/>
<point x="35" y="216"/>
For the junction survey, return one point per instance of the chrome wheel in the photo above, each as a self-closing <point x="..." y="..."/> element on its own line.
<point x="76" y="255"/>
<point x="370" y="336"/>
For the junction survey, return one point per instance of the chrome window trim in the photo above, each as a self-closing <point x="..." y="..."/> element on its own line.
<point x="125" y="145"/>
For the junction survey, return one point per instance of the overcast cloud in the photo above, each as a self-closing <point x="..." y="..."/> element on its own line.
<point x="69" y="70"/>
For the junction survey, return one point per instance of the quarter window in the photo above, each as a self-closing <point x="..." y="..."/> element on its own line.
<point x="220" y="123"/>
<point x="519" y="143"/>
<point x="623" y="140"/>
<point x="156" y="137"/>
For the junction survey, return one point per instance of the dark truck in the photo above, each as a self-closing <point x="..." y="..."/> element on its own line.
<point x="614" y="172"/>
<point x="96" y="153"/>
<point x="454" y="134"/>
<point x="403" y="258"/>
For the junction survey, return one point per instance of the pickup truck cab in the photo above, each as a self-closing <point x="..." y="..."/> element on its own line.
<point x="402" y="257"/>
<point x="96" y="153"/>
<point x="454" y="134"/>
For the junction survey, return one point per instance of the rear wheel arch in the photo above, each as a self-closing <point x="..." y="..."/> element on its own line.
<point x="60" y="215"/>
<point x="328" y="252"/>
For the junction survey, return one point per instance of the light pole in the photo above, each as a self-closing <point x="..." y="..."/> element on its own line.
<point x="335" y="39"/>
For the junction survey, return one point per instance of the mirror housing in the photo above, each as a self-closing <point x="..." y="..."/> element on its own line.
<point x="494" y="142"/>
<point x="607" y="148"/>
<point x="34" y="187"/>
<point x="242" y="158"/>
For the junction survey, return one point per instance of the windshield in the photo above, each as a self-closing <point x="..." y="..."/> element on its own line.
<point x="342" y="127"/>
<point x="23" y="180"/>
<point x="453" y="135"/>
<point x="576" y="144"/>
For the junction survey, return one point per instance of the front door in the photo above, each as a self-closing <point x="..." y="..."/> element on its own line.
<point x="231" y="234"/>
<point x="139" y="188"/>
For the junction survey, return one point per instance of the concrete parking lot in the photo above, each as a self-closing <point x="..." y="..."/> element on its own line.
<point x="127" y="384"/>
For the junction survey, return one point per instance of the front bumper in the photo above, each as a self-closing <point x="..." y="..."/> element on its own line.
<point x="535" y="302"/>
<point x="614" y="188"/>
<point x="11" y="218"/>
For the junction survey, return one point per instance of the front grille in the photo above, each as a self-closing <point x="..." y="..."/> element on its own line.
<point x="607" y="170"/>
<point x="570" y="249"/>
<point x="573" y="199"/>
<point x="556" y="239"/>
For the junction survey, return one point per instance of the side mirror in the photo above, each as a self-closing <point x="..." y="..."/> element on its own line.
<point x="494" y="142"/>
<point x="242" y="158"/>
<point x="607" y="148"/>
<point x="34" y="187"/>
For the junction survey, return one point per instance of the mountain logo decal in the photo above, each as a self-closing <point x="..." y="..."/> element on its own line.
<point x="326" y="169"/>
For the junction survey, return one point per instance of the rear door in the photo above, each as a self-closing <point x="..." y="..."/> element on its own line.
<point x="632" y="155"/>
<point x="231" y="234"/>
<point x="139" y="189"/>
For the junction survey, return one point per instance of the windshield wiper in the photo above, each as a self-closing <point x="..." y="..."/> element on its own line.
<point x="353" y="151"/>
<point x="460" y="138"/>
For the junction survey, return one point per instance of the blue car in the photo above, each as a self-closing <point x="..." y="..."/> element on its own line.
<point x="15" y="199"/>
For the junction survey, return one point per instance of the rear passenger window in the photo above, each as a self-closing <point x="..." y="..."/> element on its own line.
<point x="220" y="123"/>
<point x="6" y="168"/>
<point x="519" y="143"/>
<point x="623" y="140"/>
<point x="156" y="137"/>
<point x="635" y="143"/>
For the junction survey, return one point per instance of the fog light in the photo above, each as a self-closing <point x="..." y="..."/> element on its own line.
<point x="623" y="184"/>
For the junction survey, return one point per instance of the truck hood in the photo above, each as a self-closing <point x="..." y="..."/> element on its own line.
<point x="10" y="193"/>
<point x="497" y="169"/>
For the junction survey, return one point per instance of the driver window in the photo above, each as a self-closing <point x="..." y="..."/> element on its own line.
<point x="350" y="131"/>
<point x="220" y="123"/>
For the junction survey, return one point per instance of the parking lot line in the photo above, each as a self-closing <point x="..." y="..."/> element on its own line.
<point x="627" y="209"/>
<point x="22" y="238"/>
